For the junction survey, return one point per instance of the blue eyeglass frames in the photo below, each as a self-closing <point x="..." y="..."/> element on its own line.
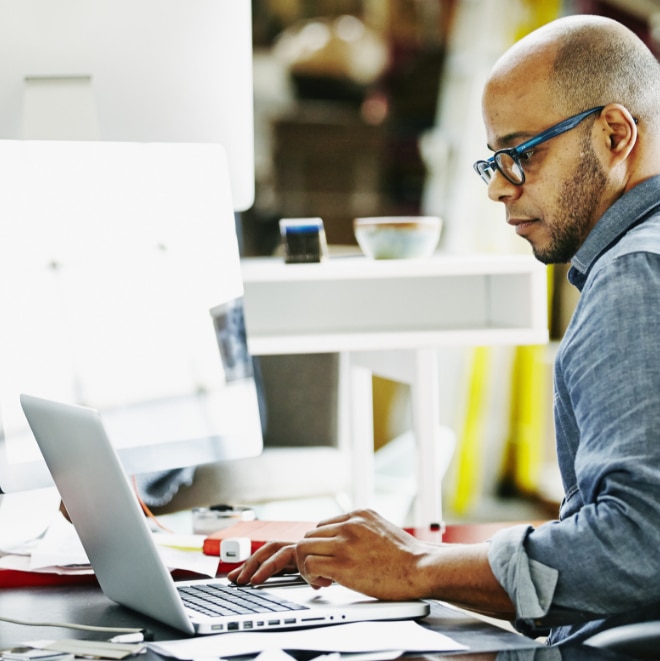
<point x="508" y="161"/>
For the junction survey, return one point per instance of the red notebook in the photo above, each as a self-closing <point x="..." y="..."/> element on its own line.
<point x="259" y="532"/>
<point x="14" y="578"/>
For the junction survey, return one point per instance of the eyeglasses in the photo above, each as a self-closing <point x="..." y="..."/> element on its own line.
<point x="508" y="161"/>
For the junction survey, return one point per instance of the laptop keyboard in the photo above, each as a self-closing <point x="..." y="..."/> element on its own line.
<point x="218" y="600"/>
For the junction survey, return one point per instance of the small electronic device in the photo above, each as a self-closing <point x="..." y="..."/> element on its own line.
<point x="303" y="240"/>
<point x="235" y="549"/>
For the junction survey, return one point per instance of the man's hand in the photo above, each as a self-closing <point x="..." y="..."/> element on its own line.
<point x="364" y="552"/>
<point x="360" y="550"/>
<point x="271" y="559"/>
<point x="64" y="511"/>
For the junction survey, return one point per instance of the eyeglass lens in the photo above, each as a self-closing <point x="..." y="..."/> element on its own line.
<point x="509" y="167"/>
<point x="505" y="163"/>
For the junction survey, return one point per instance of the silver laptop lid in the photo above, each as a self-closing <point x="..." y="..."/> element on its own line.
<point x="101" y="503"/>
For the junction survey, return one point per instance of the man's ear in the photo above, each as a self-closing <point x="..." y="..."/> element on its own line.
<point x="619" y="131"/>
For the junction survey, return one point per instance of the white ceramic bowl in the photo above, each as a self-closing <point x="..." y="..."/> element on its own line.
<point x="398" y="237"/>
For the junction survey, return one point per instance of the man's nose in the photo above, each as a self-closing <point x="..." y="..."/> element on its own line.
<point x="500" y="189"/>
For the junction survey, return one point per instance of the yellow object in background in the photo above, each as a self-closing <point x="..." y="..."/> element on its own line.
<point x="469" y="450"/>
<point x="534" y="14"/>
<point x="528" y="418"/>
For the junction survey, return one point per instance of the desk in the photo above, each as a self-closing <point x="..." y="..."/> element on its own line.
<point x="86" y="604"/>
<point x="388" y="317"/>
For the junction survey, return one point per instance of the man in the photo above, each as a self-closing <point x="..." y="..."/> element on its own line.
<point x="572" y="113"/>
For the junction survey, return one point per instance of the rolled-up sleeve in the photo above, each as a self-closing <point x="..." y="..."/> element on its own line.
<point x="529" y="583"/>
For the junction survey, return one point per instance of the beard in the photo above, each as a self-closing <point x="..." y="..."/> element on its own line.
<point x="579" y="197"/>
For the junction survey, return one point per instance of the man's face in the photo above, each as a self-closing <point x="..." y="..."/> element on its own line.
<point x="562" y="197"/>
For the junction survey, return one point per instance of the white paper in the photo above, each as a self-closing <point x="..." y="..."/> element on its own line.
<point x="348" y="638"/>
<point x="59" y="547"/>
<point x="59" y="551"/>
<point x="180" y="541"/>
<point x="276" y="655"/>
<point x="205" y="565"/>
<point x="24" y="516"/>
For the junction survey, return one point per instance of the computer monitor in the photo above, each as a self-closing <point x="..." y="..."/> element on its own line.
<point x="119" y="267"/>
<point x="121" y="289"/>
<point x="131" y="70"/>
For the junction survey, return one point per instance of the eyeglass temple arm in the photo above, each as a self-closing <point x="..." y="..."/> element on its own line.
<point x="558" y="129"/>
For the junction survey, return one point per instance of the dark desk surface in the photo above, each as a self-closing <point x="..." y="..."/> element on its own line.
<point x="86" y="604"/>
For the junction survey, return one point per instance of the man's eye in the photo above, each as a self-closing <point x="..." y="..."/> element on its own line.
<point x="526" y="155"/>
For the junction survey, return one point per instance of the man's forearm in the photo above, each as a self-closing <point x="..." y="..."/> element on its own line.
<point x="461" y="574"/>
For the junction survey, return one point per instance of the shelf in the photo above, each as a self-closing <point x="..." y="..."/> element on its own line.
<point x="358" y="304"/>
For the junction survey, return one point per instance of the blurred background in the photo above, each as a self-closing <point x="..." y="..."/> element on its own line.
<point x="372" y="107"/>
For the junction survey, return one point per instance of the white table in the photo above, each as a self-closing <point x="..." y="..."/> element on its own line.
<point x="387" y="317"/>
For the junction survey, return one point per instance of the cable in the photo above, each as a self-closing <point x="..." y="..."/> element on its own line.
<point x="81" y="627"/>
<point x="145" y="508"/>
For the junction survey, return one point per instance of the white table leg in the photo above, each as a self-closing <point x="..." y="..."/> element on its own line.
<point x="419" y="368"/>
<point x="362" y="436"/>
<point x="425" y="399"/>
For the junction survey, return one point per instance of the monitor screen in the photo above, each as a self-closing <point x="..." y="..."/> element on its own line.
<point x="120" y="288"/>
<point x="131" y="70"/>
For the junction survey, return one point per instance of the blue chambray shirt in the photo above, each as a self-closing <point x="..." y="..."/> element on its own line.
<point x="599" y="564"/>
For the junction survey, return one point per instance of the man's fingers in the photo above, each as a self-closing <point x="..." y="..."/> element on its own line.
<point x="270" y="559"/>
<point x="316" y="570"/>
<point x="243" y="573"/>
<point x="284" y="560"/>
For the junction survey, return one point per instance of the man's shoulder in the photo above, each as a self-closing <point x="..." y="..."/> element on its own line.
<point x="643" y="237"/>
<point x="633" y="253"/>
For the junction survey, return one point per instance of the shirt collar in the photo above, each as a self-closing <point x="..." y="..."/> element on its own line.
<point x="627" y="211"/>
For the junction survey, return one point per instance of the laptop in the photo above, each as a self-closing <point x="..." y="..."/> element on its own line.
<point x="119" y="544"/>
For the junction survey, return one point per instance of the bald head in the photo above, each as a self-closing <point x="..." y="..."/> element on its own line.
<point x="572" y="112"/>
<point x="586" y="61"/>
